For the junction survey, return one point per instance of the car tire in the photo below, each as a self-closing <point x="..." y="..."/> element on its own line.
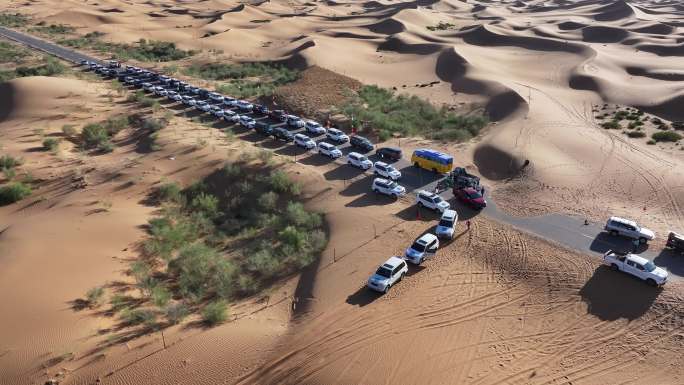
<point x="375" y="173"/>
<point x="402" y="276"/>
<point x="420" y="261"/>
<point x="435" y="171"/>
<point x="376" y="191"/>
<point x="613" y="233"/>
<point x="651" y="282"/>
<point x="416" y="165"/>
<point x="386" y="289"/>
<point x="394" y="196"/>
<point x="614" y="267"/>
<point x="643" y="240"/>
<point x="420" y="204"/>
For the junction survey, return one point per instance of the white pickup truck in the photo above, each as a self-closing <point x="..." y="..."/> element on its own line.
<point x="637" y="266"/>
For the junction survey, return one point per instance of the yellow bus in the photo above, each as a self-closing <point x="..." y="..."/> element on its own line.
<point x="432" y="160"/>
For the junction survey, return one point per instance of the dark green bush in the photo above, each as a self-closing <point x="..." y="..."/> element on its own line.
<point x="13" y="20"/>
<point x="13" y="192"/>
<point x="169" y="192"/>
<point x="50" y="144"/>
<point x="9" y="162"/>
<point x="115" y="124"/>
<point x="51" y="67"/>
<point x="176" y="313"/>
<point x="387" y="113"/>
<point x="611" y="125"/>
<point x="138" y="316"/>
<point x="636" y="134"/>
<point x="215" y="313"/>
<point x="10" y="53"/>
<point x="93" y="135"/>
<point x="142" y="50"/>
<point x="666" y="136"/>
<point x="95" y="296"/>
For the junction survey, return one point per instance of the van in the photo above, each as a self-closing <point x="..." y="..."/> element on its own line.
<point x="432" y="160"/>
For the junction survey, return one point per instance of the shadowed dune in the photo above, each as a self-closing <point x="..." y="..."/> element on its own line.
<point x="600" y="34"/>
<point x="614" y="11"/>
<point x="495" y="163"/>
<point x="667" y="75"/>
<point x="7" y="100"/>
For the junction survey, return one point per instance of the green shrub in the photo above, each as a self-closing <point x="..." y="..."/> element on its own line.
<point x="168" y="236"/>
<point x="138" y="316"/>
<point x="142" y="50"/>
<point x="160" y="296"/>
<point x="441" y="26"/>
<point x="55" y="29"/>
<point x="115" y="124"/>
<point x="263" y="262"/>
<point x="296" y="214"/>
<point x="152" y="124"/>
<point x="50" y="144"/>
<point x="200" y="270"/>
<point x="51" y="67"/>
<point x="106" y="147"/>
<point x="611" y="125"/>
<point x="666" y="136"/>
<point x="215" y="312"/>
<point x="268" y="201"/>
<point x="9" y="162"/>
<point x="13" y="20"/>
<point x="409" y="115"/>
<point x="636" y="134"/>
<point x="176" y="313"/>
<point x="651" y="142"/>
<point x="93" y="135"/>
<point x="10" y="53"/>
<point x="207" y="204"/>
<point x="119" y="302"/>
<point x="13" y="192"/>
<point x="169" y="192"/>
<point x="95" y="296"/>
<point x="9" y="173"/>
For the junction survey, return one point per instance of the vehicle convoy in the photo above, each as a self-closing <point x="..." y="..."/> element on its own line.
<point x="432" y="160"/>
<point x="470" y="197"/>
<point x="447" y="224"/>
<point x="389" y="273"/>
<point x="675" y="242"/>
<point x="637" y="266"/>
<point x="387" y="187"/>
<point x="357" y="160"/>
<point x="432" y="201"/>
<point x="423" y="248"/>
<point x="386" y="171"/>
<point x="627" y="228"/>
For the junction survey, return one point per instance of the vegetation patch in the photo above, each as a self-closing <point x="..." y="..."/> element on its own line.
<point x="246" y="80"/>
<point x="13" y="192"/>
<point x="10" y="53"/>
<point x="54" y="29"/>
<point x="636" y="134"/>
<point x="441" y="26"/>
<point x="386" y="113"/>
<point x="51" y="67"/>
<point x="142" y="50"/>
<point x="13" y="20"/>
<point x="50" y="144"/>
<point x="666" y="136"/>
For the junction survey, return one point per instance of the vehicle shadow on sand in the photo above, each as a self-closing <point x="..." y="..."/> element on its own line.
<point x="611" y="295"/>
<point x="604" y="242"/>
<point x="363" y="296"/>
<point x="672" y="261"/>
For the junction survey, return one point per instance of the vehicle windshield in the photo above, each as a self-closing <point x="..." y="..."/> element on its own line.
<point x="438" y="199"/>
<point x="474" y="195"/>
<point x="418" y="247"/>
<point x="446" y="223"/>
<point x="384" y="272"/>
<point x="392" y="185"/>
<point x="649" y="266"/>
<point x="390" y="169"/>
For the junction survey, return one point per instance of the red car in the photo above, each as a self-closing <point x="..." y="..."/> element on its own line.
<point x="471" y="197"/>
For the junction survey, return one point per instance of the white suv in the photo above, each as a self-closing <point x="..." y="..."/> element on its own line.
<point x="389" y="273"/>
<point x="244" y="105"/>
<point x="387" y="171"/>
<point x="202" y="105"/>
<point x="230" y="116"/>
<point x="228" y="101"/>
<point x="423" y="248"/>
<point x="357" y="160"/>
<point x="328" y="149"/>
<point x="637" y="266"/>
<point x="247" y="122"/>
<point x="336" y="135"/>
<point x="387" y="187"/>
<point x="432" y="201"/>
<point x="447" y="224"/>
<point x="304" y="141"/>
<point x="215" y="96"/>
<point x="314" y="128"/>
<point x="620" y="226"/>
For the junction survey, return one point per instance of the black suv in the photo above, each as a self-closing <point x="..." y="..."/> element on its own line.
<point x="263" y="128"/>
<point x="391" y="153"/>
<point x="361" y="142"/>
<point x="276" y="114"/>
<point x="281" y="133"/>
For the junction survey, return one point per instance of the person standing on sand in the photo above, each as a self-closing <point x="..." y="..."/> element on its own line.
<point x="468" y="225"/>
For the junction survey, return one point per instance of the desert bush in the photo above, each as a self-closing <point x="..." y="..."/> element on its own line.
<point x="10" y="53"/>
<point x="13" y="20"/>
<point x="105" y="147"/>
<point x="93" y="135"/>
<point x="651" y="142"/>
<point x="611" y="125"/>
<point x="115" y="124"/>
<point x="51" y="67"/>
<point x="263" y="262"/>
<point x="666" y="136"/>
<point x="275" y="73"/>
<point x="9" y="162"/>
<point x="50" y="144"/>
<point x="268" y="201"/>
<point x="296" y="214"/>
<point x="153" y="124"/>
<point x="215" y="312"/>
<point x="409" y="115"/>
<point x="200" y="269"/>
<point x="169" y="192"/>
<point x="207" y="204"/>
<point x="636" y="134"/>
<point x="9" y="173"/>
<point x="95" y="296"/>
<point x="142" y="50"/>
<point x="441" y="26"/>
<point x="176" y="313"/>
<point x="138" y="316"/>
<point x="13" y="192"/>
<point x="169" y="235"/>
<point x="160" y="296"/>
<point x="69" y="130"/>
<point x="281" y="183"/>
<point x="54" y="29"/>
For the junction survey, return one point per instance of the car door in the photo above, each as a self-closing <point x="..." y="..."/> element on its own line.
<point x="640" y="271"/>
<point x="396" y="273"/>
<point x="431" y="249"/>
<point x="630" y="267"/>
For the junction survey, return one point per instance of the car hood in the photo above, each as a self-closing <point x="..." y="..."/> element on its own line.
<point x="647" y="233"/>
<point x="660" y="273"/>
<point x="367" y="163"/>
<point x="444" y="230"/>
<point x="378" y="279"/>
<point x="394" y="174"/>
<point x="479" y="201"/>
<point x="443" y="204"/>
<point x="411" y="253"/>
<point x="399" y="189"/>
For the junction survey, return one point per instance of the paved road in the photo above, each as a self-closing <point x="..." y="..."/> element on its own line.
<point x="566" y="230"/>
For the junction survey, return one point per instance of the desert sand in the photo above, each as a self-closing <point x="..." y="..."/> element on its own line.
<point x="496" y="306"/>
